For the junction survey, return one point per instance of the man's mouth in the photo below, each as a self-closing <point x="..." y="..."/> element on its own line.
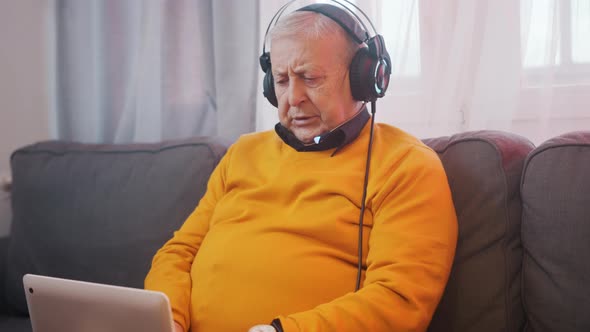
<point x="301" y="121"/>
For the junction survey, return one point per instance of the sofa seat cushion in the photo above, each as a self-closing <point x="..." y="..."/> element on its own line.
<point x="99" y="213"/>
<point x="483" y="292"/>
<point x="556" y="234"/>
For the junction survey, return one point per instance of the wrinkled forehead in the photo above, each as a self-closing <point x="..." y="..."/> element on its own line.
<point x="305" y="54"/>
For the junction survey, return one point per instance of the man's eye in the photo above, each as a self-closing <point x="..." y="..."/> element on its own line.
<point x="281" y="81"/>
<point x="311" y="80"/>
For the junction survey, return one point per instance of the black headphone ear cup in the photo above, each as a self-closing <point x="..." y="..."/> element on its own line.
<point x="369" y="75"/>
<point x="268" y="86"/>
<point x="361" y="75"/>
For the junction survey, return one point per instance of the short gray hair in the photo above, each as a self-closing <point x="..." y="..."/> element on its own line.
<point x="314" y="26"/>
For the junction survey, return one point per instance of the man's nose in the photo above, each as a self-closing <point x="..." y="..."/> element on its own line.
<point x="296" y="92"/>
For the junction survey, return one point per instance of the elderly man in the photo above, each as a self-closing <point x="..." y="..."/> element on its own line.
<point x="275" y="240"/>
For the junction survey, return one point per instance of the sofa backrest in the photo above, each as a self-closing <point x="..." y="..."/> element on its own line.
<point x="483" y="292"/>
<point x="556" y="234"/>
<point x="99" y="212"/>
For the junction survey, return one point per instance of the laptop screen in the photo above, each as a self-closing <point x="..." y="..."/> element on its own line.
<point x="65" y="305"/>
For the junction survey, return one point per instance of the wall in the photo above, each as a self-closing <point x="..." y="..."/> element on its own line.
<point x="23" y="93"/>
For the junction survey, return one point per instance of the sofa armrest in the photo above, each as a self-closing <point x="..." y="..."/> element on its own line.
<point x="5" y="208"/>
<point x="3" y="250"/>
<point x="5" y="217"/>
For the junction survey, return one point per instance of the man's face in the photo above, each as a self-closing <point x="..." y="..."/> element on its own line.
<point x="311" y="84"/>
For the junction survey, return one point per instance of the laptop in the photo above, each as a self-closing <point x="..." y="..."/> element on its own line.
<point x="65" y="305"/>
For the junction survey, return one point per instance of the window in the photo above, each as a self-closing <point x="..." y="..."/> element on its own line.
<point x="401" y="31"/>
<point x="556" y="63"/>
<point x="580" y="29"/>
<point x="554" y="36"/>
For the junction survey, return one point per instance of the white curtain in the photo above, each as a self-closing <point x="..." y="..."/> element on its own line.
<point x="514" y="65"/>
<point x="151" y="70"/>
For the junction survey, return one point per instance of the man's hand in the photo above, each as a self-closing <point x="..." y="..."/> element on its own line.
<point x="178" y="327"/>
<point x="262" y="328"/>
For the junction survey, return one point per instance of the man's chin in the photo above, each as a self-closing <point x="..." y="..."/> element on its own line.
<point x="307" y="140"/>
<point x="304" y="136"/>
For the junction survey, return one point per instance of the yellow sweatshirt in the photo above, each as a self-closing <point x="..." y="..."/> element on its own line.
<point x="275" y="236"/>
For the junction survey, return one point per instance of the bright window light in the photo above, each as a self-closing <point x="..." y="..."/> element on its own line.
<point x="539" y="28"/>
<point x="401" y="30"/>
<point x="580" y="25"/>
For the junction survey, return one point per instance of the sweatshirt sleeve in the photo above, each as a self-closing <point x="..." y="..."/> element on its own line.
<point x="410" y="252"/>
<point x="170" y="270"/>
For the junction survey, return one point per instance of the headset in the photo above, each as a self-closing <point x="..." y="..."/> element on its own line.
<point x="370" y="69"/>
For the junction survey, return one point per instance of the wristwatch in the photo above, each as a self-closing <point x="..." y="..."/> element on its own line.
<point x="276" y="323"/>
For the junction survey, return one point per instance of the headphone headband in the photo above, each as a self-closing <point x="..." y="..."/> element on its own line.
<point x="356" y="34"/>
<point x="354" y="30"/>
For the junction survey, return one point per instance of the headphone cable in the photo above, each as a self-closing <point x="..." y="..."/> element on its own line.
<point x="361" y="217"/>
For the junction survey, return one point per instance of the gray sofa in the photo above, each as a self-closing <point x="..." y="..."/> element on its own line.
<point x="99" y="213"/>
